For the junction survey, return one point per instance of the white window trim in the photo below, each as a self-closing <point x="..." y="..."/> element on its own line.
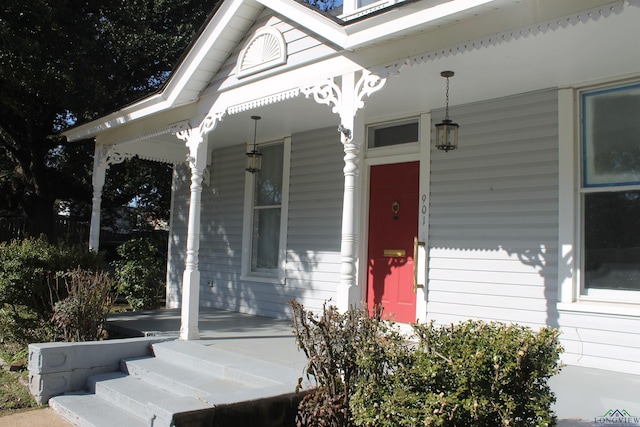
<point x="570" y="294"/>
<point x="396" y="149"/>
<point x="351" y="10"/>
<point x="246" y="273"/>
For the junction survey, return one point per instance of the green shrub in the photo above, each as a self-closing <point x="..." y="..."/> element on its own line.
<point x="140" y="273"/>
<point x="27" y="270"/>
<point x="82" y="315"/>
<point x="20" y="326"/>
<point x="471" y="374"/>
<point x="368" y="373"/>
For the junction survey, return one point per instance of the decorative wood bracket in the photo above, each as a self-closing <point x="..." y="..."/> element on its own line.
<point x="210" y="122"/>
<point x="327" y="93"/>
<point x="108" y="155"/>
<point x="367" y="85"/>
<point x="192" y="138"/>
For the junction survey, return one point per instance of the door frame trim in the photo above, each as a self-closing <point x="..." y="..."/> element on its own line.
<point x="422" y="150"/>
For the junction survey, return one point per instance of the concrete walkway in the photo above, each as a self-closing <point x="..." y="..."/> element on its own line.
<point x="36" y="418"/>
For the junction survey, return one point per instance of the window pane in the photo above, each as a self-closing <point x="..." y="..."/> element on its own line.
<point x="612" y="240"/>
<point x="266" y="239"/>
<point x="611" y="136"/>
<point x="268" y="190"/>
<point x="362" y="3"/>
<point x="386" y="135"/>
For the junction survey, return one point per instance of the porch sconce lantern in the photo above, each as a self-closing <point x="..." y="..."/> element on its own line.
<point x="447" y="131"/>
<point x="253" y="159"/>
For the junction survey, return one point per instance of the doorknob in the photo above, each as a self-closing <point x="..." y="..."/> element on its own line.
<point x="416" y="244"/>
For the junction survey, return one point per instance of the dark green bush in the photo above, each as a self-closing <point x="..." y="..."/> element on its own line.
<point x="20" y="326"/>
<point x="82" y="315"/>
<point x="140" y="273"/>
<point x="474" y="373"/>
<point x="471" y="374"/>
<point x="27" y="270"/>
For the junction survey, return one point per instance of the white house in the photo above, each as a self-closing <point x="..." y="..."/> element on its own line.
<point x="534" y="218"/>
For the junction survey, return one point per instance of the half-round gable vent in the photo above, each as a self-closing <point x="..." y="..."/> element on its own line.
<point x="266" y="49"/>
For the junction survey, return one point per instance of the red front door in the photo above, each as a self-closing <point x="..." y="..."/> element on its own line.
<point x="393" y="223"/>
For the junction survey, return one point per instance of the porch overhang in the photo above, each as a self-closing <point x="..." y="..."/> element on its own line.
<point x="528" y="52"/>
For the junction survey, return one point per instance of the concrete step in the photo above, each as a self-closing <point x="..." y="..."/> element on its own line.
<point x="139" y="397"/>
<point x="89" y="410"/>
<point x="180" y="380"/>
<point x="186" y="384"/>
<point x="231" y="366"/>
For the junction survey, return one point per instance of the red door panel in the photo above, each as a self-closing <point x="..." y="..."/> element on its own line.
<point x="393" y="223"/>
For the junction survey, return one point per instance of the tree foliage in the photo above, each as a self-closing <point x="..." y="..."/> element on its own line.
<point x="28" y="272"/>
<point x="64" y="62"/>
<point x="325" y="5"/>
<point x="140" y="273"/>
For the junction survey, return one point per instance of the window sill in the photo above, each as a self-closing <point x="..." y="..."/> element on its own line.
<point x="263" y="279"/>
<point x="611" y="308"/>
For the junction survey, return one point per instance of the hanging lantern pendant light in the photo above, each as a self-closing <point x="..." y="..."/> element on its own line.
<point x="447" y="131"/>
<point x="253" y="159"/>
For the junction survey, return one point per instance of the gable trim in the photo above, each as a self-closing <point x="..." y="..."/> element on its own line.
<point x="266" y="100"/>
<point x="266" y="49"/>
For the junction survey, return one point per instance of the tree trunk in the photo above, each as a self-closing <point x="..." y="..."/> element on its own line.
<point x="40" y="216"/>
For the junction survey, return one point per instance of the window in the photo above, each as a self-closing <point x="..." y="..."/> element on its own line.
<point x="610" y="193"/>
<point x="395" y="133"/>
<point x="264" y="239"/>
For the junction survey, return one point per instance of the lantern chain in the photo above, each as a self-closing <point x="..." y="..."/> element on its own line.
<point x="446" y="114"/>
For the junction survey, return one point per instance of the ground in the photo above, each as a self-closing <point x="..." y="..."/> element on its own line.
<point x="14" y="393"/>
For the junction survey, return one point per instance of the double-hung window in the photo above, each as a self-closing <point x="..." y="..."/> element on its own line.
<point x="610" y="194"/>
<point x="266" y="196"/>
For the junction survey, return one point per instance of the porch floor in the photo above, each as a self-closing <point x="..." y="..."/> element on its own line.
<point x="583" y="394"/>
<point x="255" y="336"/>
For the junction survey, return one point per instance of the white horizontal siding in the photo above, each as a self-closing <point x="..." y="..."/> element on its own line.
<point x="315" y="216"/>
<point x="315" y="211"/>
<point x="177" y="235"/>
<point x="493" y="214"/>
<point x="221" y="229"/>
<point x="601" y="341"/>
<point x="494" y="230"/>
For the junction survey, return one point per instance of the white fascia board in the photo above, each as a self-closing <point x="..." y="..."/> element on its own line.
<point x="145" y="107"/>
<point x="150" y="126"/>
<point x="178" y="80"/>
<point x="368" y="30"/>
<point x="228" y="10"/>
<point x="308" y="18"/>
<point x="403" y="23"/>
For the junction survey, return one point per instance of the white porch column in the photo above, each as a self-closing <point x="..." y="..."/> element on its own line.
<point x="99" y="173"/>
<point x="104" y="156"/>
<point x="351" y="130"/>
<point x="346" y="100"/>
<point x="191" y="278"/>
